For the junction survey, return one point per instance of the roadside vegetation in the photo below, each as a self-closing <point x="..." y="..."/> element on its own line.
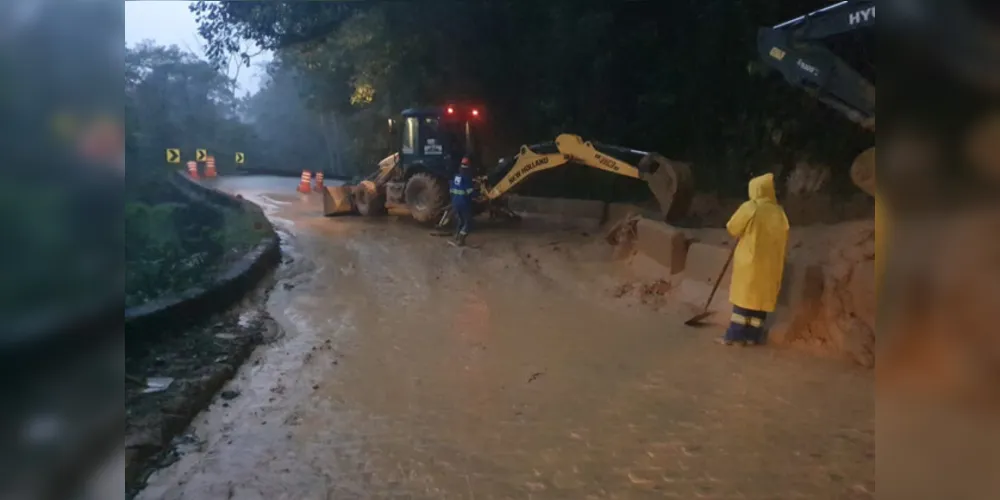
<point x="677" y="77"/>
<point x="172" y="243"/>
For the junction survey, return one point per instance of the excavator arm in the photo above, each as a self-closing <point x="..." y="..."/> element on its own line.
<point x="670" y="182"/>
<point x="794" y="49"/>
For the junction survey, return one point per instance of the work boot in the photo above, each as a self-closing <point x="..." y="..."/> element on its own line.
<point x="461" y="240"/>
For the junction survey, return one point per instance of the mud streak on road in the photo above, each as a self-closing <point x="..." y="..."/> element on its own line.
<point x="410" y="369"/>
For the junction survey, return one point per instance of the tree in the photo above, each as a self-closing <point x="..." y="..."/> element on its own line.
<point x="175" y="100"/>
<point x="676" y="77"/>
<point x="296" y="137"/>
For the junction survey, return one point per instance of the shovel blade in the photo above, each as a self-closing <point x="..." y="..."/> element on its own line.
<point x="699" y="320"/>
<point x="337" y="201"/>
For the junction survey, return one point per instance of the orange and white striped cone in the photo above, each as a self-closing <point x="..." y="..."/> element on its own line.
<point x="193" y="169"/>
<point x="210" y="172"/>
<point x="319" y="182"/>
<point x="305" y="185"/>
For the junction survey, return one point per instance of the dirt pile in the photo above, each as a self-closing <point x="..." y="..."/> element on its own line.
<point x="829" y="295"/>
<point x="828" y="299"/>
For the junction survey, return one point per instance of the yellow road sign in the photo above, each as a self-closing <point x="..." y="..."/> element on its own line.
<point x="173" y="156"/>
<point x="240" y="158"/>
<point x="201" y="155"/>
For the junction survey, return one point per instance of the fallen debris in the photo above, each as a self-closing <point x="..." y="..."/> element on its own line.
<point x="624" y="232"/>
<point x="658" y="288"/>
<point x="229" y="395"/>
<point x="191" y="368"/>
<point x="622" y="290"/>
<point x="157" y="384"/>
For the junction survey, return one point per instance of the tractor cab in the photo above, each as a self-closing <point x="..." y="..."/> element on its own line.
<point x="431" y="143"/>
<point x="434" y="140"/>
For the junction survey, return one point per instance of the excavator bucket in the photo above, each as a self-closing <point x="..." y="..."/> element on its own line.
<point x="337" y="201"/>
<point x="670" y="182"/>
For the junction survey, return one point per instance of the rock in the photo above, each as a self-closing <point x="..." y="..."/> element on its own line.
<point x="229" y="395"/>
<point x="150" y="437"/>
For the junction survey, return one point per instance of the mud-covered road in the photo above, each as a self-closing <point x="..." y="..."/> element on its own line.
<point x="411" y="369"/>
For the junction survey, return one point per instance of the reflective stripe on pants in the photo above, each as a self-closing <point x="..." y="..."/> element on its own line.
<point x="746" y="325"/>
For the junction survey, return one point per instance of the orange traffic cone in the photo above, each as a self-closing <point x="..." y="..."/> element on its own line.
<point x="319" y="182"/>
<point x="210" y="172"/>
<point x="193" y="169"/>
<point x="305" y="185"/>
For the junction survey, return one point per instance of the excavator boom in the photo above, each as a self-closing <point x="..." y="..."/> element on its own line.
<point x="670" y="182"/>
<point x="794" y="49"/>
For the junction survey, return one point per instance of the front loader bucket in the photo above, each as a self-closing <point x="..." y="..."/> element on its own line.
<point x="337" y="201"/>
<point x="671" y="183"/>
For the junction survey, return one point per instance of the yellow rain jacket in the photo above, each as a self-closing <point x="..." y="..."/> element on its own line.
<point x="759" y="263"/>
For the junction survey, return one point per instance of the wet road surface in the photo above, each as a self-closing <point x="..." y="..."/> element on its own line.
<point x="411" y="369"/>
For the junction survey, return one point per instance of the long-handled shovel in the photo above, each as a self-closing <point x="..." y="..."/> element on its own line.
<point x="700" y="318"/>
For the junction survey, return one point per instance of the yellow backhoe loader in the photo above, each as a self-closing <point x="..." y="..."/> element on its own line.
<point x="434" y="140"/>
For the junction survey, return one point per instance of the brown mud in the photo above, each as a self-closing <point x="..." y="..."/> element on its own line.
<point x="828" y="306"/>
<point x="198" y="362"/>
<point x="411" y="369"/>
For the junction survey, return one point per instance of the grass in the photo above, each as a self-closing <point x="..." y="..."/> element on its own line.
<point x="172" y="247"/>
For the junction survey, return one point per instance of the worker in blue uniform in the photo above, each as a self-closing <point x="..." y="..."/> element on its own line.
<point x="461" y="201"/>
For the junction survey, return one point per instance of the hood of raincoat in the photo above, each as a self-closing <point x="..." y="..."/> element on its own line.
<point x="762" y="188"/>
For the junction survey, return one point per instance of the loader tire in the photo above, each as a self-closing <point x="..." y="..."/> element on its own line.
<point x="370" y="203"/>
<point x="426" y="197"/>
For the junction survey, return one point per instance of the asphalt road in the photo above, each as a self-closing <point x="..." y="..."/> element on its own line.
<point x="411" y="369"/>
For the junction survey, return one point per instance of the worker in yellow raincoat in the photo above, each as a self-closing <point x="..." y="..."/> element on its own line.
<point x="761" y="227"/>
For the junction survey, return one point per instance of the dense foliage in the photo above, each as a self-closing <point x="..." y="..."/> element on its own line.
<point x="176" y="100"/>
<point x="678" y="77"/>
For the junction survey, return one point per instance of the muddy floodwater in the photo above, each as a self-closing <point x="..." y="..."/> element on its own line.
<point x="411" y="369"/>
